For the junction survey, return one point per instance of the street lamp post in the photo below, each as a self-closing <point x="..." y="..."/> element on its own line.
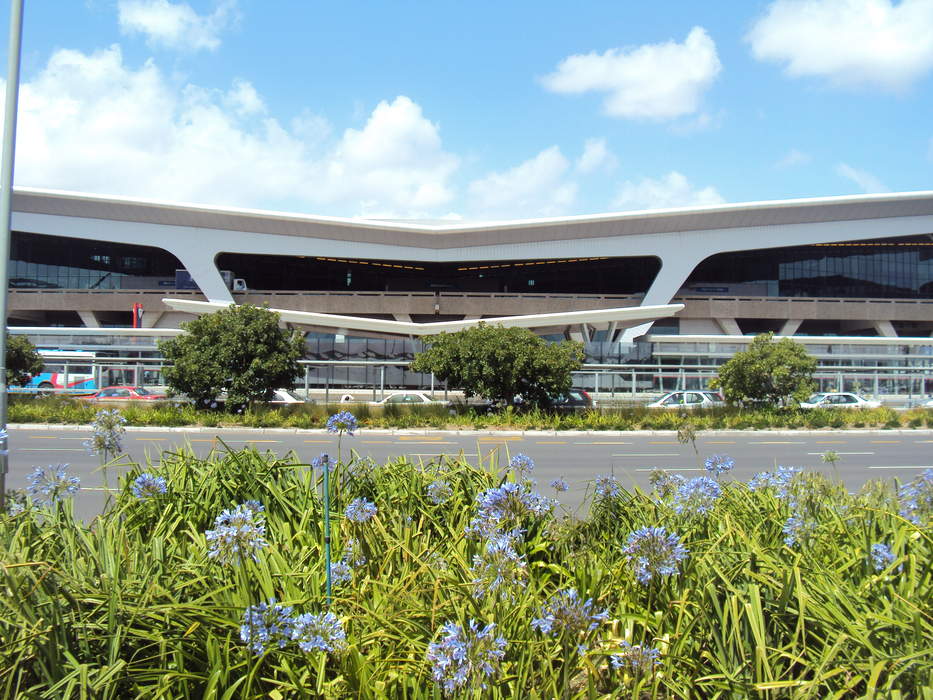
<point x="6" y="210"/>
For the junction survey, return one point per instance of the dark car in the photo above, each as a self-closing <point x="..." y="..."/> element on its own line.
<point x="573" y="400"/>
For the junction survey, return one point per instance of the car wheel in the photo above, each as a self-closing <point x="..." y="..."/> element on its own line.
<point x="45" y="389"/>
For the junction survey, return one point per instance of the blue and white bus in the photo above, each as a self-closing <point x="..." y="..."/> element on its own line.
<point x="65" y="371"/>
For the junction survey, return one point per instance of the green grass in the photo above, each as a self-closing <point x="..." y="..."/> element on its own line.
<point x="131" y="606"/>
<point x="309" y="416"/>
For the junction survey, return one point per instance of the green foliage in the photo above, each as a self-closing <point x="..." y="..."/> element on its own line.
<point x="768" y="372"/>
<point x="500" y="363"/>
<point x="22" y="360"/>
<point x="131" y="606"/>
<point x="240" y="350"/>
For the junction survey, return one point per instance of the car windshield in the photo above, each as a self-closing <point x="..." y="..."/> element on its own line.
<point x="287" y="393"/>
<point x="142" y="392"/>
<point x="816" y="398"/>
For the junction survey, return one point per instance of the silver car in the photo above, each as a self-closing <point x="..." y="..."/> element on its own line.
<point x="839" y="399"/>
<point x="689" y="399"/>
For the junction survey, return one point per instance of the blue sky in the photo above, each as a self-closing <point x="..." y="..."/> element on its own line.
<point x="476" y="111"/>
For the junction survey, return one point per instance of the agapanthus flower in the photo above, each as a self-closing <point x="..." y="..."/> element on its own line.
<point x="361" y="510"/>
<point x="882" y="556"/>
<point x="799" y="527"/>
<point x="465" y="657"/>
<point x="916" y="498"/>
<point x="718" y="465"/>
<point x="506" y="505"/>
<point x="340" y="572"/>
<point x="652" y="552"/>
<point x="238" y="533"/>
<point x="559" y="485"/>
<point x="323" y="460"/>
<point x="342" y="422"/>
<point x="360" y="468"/>
<point x="607" y="486"/>
<point x="439" y="491"/>
<point x="500" y="569"/>
<point x="566" y="613"/>
<point x="522" y="464"/>
<point x="779" y="480"/>
<point x="148" y="485"/>
<point x="636" y="659"/>
<point x="265" y="625"/>
<point x="696" y="496"/>
<point x="665" y="483"/>
<point x="48" y="485"/>
<point x="107" y="436"/>
<point x="319" y="632"/>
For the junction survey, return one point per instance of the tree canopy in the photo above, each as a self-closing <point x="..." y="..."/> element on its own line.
<point x="22" y="360"/>
<point x="240" y="350"/>
<point x="501" y="363"/>
<point x="768" y="371"/>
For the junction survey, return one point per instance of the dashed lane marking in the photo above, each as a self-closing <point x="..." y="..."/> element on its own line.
<point x="648" y="454"/>
<point x="149" y="438"/>
<point x="662" y="442"/>
<point x="719" y="442"/>
<point x="418" y="437"/>
<point x="884" y="442"/>
<point x="829" y="442"/>
<point x="432" y="442"/>
<point x="377" y="442"/>
<point x="603" y="443"/>
<point x="842" y="453"/>
<point x="53" y="437"/>
<point x="777" y="442"/>
<point x="320" y="441"/>
<point x="924" y="466"/>
<point x="49" y="449"/>
<point x="671" y="469"/>
<point x="440" y="454"/>
<point x="500" y="438"/>
<point x="551" y="442"/>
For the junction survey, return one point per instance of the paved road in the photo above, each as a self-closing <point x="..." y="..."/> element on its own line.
<point x="578" y="457"/>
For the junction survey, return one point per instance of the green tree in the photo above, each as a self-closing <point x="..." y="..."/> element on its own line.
<point x="22" y="360"/>
<point x="500" y="363"/>
<point x="768" y="371"/>
<point x="240" y="350"/>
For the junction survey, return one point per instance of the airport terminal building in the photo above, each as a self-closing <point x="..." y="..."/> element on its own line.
<point x="851" y="276"/>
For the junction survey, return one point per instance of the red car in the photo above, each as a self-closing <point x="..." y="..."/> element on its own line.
<point x="124" y="393"/>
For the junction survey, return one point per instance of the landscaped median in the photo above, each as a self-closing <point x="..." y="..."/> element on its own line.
<point x="65" y="410"/>
<point x="207" y="578"/>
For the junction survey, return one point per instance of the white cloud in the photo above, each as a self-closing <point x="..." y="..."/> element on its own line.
<point x="652" y="81"/>
<point x="596" y="156"/>
<point x="669" y="191"/>
<point x="90" y="123"/>
<point x="534" y="188"/>
<point x="849" y="42"/>
<point x="793" y="158"/>
<point x="865" y="180"/>
<point x="175" y="25"/>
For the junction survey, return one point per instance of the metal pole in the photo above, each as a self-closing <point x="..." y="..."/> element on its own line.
<point x="6" y="210"/>
<point x="326" y="459"/>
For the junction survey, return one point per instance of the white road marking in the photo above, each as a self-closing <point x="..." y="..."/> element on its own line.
<point x="904" y="467"/>
<point x="648" y="454"/>
<point x="842" y="453"/>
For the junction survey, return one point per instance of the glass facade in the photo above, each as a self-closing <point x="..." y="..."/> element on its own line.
<point x="898" y="268"/>
<point x="55" y="262"/>
<point x="571" y="275"/>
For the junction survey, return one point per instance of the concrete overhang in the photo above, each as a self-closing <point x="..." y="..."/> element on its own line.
<point x="623" y="317"/>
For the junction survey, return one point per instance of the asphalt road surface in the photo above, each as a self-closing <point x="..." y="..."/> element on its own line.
<point x="576" y="456"/>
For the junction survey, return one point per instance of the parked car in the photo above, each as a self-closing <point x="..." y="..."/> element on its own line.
<point x="927" y="404"/>
<point x="841" y="399"/>
<point x="282" y="397"/>
<point x="689" y="399"/>
<point x="573" y="400"/>
<point x="408" y="398"/>
<point x="123" y="393"/>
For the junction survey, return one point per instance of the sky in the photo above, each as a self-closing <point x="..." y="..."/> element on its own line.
<point x="475" y="111"/>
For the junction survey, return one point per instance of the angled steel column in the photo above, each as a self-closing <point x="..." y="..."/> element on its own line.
<point x="6" y="204"/>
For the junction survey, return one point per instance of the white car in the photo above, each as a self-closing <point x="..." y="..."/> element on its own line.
<point x="689" y="399"/>
<point x="839" y="399"/>
<point x="408" y="398"/>
<point x="284" y="396"/>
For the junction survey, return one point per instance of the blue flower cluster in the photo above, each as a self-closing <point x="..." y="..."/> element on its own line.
<point x="522" y="464"/>
<point x="319" y="632"/>
<point x="566" y="613"/>
<point x="881" y="556"/>
<point x="500" y="569"/>
<point x="342" y="422"/>
<point x="718" y="465"/>
<point x="665" y="483"/>
<point x="696" y="496"/>
<point x="238" y="533"/>
<point x="505" y="507"/>
<point x="353" y="553"/>
<point x="340" y="572"/>
<point x="916" y="498"/>
<point x="607" y="487"/>
<point x="780" y="480"/>
<point x="465" y="657"/>
<point x="439" y="491"/>
<point x="361" y="510"/>
<point x="107" y="436"/>
<point x="559" y="485"/>
<point x="148" y="485"/>
<point x="636" y="659"/>
<point x="49" y="485"/>
<point x="323" y="460"/>
<point x="265" y="625"/>
<point x="653" y="552"/>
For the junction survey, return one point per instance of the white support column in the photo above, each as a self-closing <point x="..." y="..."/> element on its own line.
<point x="729" y="326"/>
<point x="885" y="329"/>
<point x="200" y="265"/>
<point x="151" y="318"/>
<point x="402" y="317"/>
<point x="676" y="267"/>
<point x="790" y="326"/>
<point x="89" y="319"/>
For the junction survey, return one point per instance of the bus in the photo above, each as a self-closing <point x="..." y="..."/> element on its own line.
<point x="65" y="371"/>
